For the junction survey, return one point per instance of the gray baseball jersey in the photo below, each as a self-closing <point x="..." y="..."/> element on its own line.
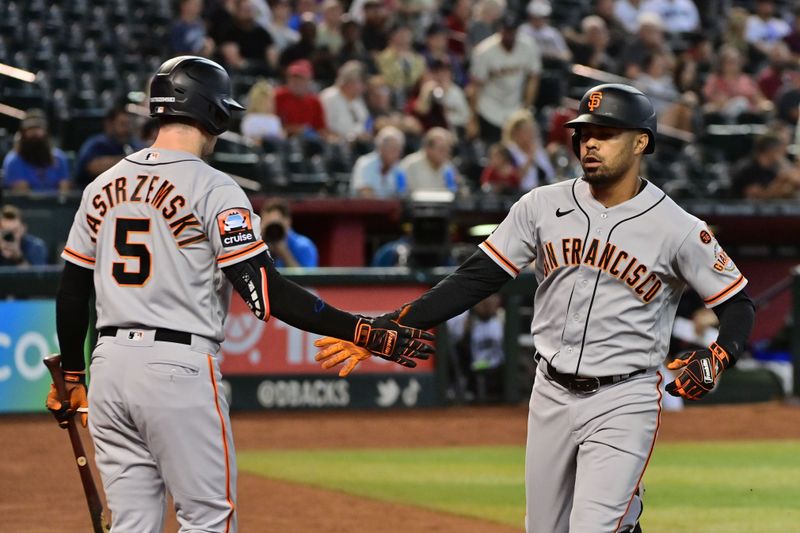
<point x="609" y="284"/>
<point x="154" y="228"/>
<point x="157" y="228"/>
<point x="610" y="279"/>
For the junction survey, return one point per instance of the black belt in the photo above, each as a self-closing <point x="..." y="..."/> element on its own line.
<point x="583" y="385"/>
<point x="164" y="335"/>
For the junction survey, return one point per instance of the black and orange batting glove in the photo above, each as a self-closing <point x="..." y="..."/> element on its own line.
<point x="78" y="403"/>
<point x="388" y="339"/>
<point x="701" y="369"/>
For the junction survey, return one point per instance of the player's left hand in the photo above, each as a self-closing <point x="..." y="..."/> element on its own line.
<point x="701" y="369"/>
<point x="76" y="390"/>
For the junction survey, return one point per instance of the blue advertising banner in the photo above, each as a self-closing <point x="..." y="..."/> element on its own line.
<point x="27" y="335"/>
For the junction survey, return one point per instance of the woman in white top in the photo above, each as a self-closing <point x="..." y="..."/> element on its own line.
<point x="260" y="122"/>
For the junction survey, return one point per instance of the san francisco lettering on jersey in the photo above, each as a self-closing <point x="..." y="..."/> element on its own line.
<point x="610" y="259"/>
<point x="150" y="189"/>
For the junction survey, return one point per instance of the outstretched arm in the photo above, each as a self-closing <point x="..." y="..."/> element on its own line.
<point x="268" y="293"/>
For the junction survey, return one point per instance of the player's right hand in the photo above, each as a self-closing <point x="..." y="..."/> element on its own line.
<point x="75" y="383"/>
<point x="389" y="339"/>
<point x="335" y="351"/>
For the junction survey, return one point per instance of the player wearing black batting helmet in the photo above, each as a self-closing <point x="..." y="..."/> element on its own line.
<point x="196" y="88"/>
<point x="618" y="106"/>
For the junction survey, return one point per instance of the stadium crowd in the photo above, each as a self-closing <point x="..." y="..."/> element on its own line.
<point x="382" y="98"/>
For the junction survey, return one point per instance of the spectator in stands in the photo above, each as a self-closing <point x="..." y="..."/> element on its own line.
<point x="297" y="106"/>
<point x="764" y="29"/>
<point x="771" y="77"/>
<point x="329" y="33"/>
<point x="501" y="175"/>
<point x="551" y="43"/>
<point x="504" y="73"/>
<point x="476" y="340"/>
<point x="793" y="39"/>
<point x="657" y="82"/>
<point x="187" y="35"/>
<point x="305" y="47"/>
<point x="282" y="34"/>
<point x="34" y="164"/>
<point x="735" y="34"/>
<point x="352" y="48"/>
<point x="377" y="174"/>
<point x="521" y="137"/>
<point x="649" y="40"/>
<point x="678" y="16"/>
<point x="430" y="168"/>
<point x="767" y="174"/>
<point x="287" y="247"/>
<point x="436" y="50"/>
<point x="628" y="12"/>
<point x="246" y="45"/>
<point x="591" y="45"/>
<point x="104" y="150"/>
<point x="374" y="34"/>
<point x="304" y="10"/>
<point x="729" y="91"/>
<point x="18" y="247"/>
<point x="416" y="15"/>
<point x="399" y="64"/>
<point x="787" y="101"/>
<point x="219" y="15"/>
<point x="383" y="113"/>
<point x="440" y="102"/>
<point x="457" y="23"/>
<point x="346" y="114"/>
<point x="618" y="36"/>
<point x="260" y="122"/>
<point x="483" y="23"/>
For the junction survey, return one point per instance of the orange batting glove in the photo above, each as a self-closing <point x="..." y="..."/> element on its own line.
<point x="335" y="351"/>
<point x="78" y="403"/>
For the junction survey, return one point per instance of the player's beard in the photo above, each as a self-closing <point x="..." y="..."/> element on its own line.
<point x="36" y="151"/>
<point x="608" y="173"/>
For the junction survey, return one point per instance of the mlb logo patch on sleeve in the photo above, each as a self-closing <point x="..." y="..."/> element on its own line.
<point x="235" y="227"/>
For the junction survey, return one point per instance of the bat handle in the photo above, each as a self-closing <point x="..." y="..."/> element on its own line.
<point x="53" y="364"/>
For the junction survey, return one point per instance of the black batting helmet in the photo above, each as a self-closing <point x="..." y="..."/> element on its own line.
<point x="618" y="106"/>
<point x="196" y="88"/>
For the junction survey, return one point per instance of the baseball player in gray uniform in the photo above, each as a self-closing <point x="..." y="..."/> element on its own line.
<point x="163" y="238"/>
<point x="612" y="255"/>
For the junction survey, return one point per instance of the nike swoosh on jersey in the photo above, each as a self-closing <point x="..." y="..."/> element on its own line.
<point x="560" y="213"/>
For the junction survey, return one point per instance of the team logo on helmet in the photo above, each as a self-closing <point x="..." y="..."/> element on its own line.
<point x="594" y="100"/>
<point x="235" y="227"/>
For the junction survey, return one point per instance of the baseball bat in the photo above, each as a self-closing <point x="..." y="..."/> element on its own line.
<point x="53" y="364"/>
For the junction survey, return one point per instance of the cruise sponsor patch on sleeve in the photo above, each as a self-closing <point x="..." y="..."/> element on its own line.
<point x="235" y="227"/>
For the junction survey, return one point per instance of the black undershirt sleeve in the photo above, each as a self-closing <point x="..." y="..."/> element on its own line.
<point x="736" y="318"/>
<point x="72" y="314"/>
<point x="477" y="278"/>
<point x="287" y="300"/>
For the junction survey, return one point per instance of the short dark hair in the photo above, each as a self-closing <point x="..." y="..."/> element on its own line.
<point x="767" y="142"/>
<point x="277" y="204"/>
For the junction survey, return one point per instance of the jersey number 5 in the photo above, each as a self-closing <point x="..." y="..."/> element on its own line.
<point x="131" y="250"/>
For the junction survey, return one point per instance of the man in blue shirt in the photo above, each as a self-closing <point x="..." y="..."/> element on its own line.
<point x="17" y="248"/>
<point x="287" y="247"/>
<point x="33" y="164"/>
<point x="376" y="174"/>
<point x="104" y="150"/>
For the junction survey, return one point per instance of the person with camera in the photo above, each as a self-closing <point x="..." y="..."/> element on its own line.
<point x="287" y="247"/>
<point x="440" y="102"/>
<point x="17" y="247"/>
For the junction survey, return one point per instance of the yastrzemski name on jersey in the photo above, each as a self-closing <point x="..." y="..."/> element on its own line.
<point x="149" y="189"/>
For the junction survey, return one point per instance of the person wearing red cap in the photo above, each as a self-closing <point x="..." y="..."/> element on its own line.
<point x="296" y="104"/>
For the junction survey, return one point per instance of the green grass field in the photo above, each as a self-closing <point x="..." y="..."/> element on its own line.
<point x="698" y="488"/>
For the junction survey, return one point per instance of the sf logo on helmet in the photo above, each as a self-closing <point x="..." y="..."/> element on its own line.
<point x="594" y="100"/>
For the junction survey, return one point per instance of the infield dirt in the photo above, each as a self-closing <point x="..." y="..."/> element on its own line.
<point x="40" y="490"/>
